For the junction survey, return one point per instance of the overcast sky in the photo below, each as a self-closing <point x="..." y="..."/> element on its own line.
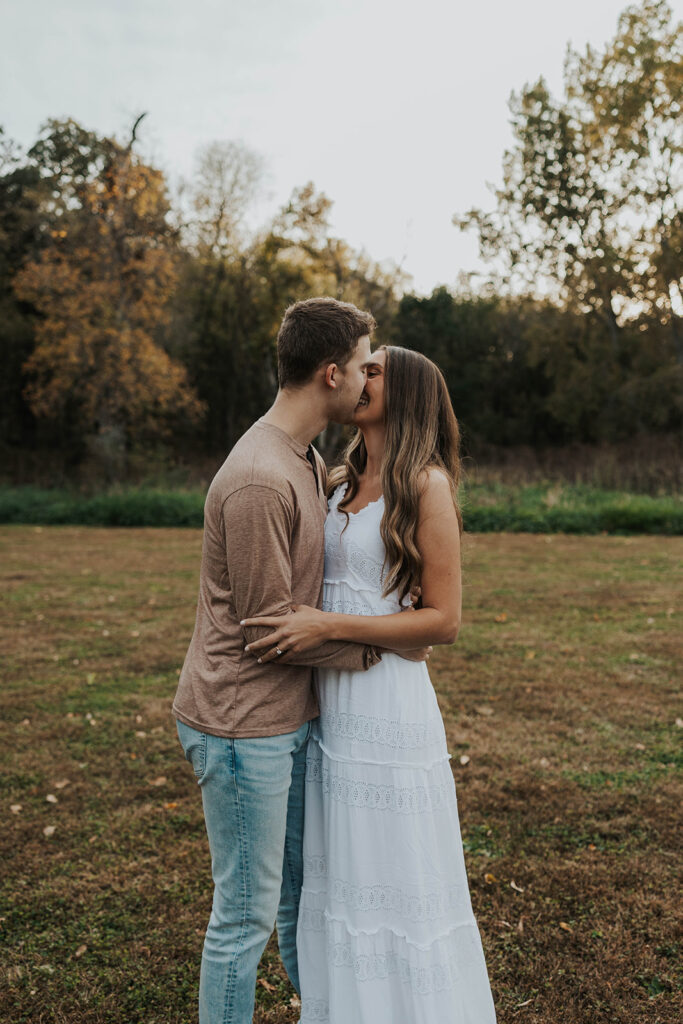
<point x="396" y="110"/>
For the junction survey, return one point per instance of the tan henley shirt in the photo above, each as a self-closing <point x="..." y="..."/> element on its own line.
<point x="262" y="552"/>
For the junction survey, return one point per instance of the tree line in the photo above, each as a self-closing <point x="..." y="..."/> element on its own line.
<point x="135" y="319"/>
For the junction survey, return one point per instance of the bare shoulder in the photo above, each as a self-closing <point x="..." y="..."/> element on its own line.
<point x="436" y="496"/>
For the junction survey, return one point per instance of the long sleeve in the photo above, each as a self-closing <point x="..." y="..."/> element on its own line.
<point x="257" y="525"/>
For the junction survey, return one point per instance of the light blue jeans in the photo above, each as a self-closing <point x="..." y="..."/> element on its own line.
<point x="253" y="797"/>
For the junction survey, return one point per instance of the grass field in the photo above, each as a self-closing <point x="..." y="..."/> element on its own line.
<point x="561" y="692"/>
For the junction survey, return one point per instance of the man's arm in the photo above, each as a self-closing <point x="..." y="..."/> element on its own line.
<point x="257" y="527"/>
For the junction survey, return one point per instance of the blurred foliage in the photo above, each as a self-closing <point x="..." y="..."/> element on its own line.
<point x="540" y="508"/>
<point x="135" y="325"/>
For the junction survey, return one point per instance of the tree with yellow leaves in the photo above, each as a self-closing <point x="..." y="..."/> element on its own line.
<point x="100" y="288"/>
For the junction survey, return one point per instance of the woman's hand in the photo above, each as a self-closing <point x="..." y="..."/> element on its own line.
<point x="301" y="630"/>
<point x="418" y="654"/>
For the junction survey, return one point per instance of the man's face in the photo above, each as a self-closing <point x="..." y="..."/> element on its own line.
<point x="350" y="382"/>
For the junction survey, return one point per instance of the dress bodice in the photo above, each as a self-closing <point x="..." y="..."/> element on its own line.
<point x="355" y="560"/>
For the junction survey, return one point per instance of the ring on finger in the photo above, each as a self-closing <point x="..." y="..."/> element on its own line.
<point x="278" y="651"/>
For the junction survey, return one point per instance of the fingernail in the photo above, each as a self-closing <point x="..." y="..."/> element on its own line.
<point x="258" y="661"/>
<point x="242" y="621"/>
<point x="247" y="647"/>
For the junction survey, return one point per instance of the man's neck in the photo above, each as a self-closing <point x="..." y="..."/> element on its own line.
<point x="297" y="413"/>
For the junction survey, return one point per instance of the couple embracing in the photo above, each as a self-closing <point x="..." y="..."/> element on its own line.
<point x="305" y="706"/>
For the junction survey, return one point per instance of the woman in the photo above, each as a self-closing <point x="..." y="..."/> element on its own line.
<point x="386" y="931"/>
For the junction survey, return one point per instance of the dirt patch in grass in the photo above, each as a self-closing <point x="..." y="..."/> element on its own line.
<point x="561" y="692"/>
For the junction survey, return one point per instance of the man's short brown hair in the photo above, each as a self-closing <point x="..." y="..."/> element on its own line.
<point x="315" y="332"/>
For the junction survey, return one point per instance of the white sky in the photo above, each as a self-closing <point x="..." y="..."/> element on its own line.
<point x="396" y="110"/>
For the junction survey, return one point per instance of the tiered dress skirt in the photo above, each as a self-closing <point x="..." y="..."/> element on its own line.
<point x="386" y="932"/>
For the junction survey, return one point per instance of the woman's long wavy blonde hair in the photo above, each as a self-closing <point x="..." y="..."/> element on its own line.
<point x="421" y="431"/>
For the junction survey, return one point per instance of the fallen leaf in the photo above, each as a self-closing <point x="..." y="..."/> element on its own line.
<point x="483" y="709"/>
<point x="140" y="734"/>
<point x="565" y="927"/>
<point x="159" y="781"/>
<point x="138" y="718"/>
<point x="51" y="798"/>
<point x="517" y="888"/>
<point x="90" y="678"/>
<point x="135" y="632"/>
<point x="295" y="1003"/>
<point x="93" y="839"/>
<point x="464" y="759"/>
<point x="16" y="808"/>
<point x="679" y="723"/>
<point x="49" y="830"/>
<point x="170" y="806"/>
<point x="266" y="985"/>
<point x="530" y="655"/>
<point x="544" y="762"/>
<point x="62" y="784"/>
<point x="489" y="878"/>
<point x="520" y="925"/>
<point x="502" y="617"/>
<point x="526" y="1003"/>
<point x="80" y="951"/>
<point x="640" y="746"/>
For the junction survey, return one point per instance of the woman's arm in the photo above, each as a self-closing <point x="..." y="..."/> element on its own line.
<point x="436" y="622"/>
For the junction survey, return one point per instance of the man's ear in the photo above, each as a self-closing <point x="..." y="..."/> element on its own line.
<point x="331" y="374"/>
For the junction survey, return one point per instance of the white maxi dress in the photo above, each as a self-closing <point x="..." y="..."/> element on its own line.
<point x="386" y="933"/>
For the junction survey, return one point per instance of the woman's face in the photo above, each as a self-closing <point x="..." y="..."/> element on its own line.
<point x="370" y="409"/>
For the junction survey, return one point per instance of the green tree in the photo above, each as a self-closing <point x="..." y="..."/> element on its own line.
<point x="589" y="212"/>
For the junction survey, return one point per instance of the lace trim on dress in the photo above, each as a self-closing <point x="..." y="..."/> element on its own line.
<point x="388" y="733"/>
<point x="434" y="977"/>
<point x="369" y="569"/>
<point x="314" y="1009"/>
<point x="346" y="606"/>
<point x="400" y="799"/>
<point x="437" y="977"/>
<point x="389" y="899"/>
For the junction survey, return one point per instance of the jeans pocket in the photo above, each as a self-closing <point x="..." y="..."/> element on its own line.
<point x="193" y="743"/>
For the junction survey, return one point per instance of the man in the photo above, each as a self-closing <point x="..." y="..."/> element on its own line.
<point x="244" y="725"/>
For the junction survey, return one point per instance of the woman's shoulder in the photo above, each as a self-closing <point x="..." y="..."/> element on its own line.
<point x="434" y="482"/>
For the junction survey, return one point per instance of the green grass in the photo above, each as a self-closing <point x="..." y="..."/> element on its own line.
<point x="536" y="508"/>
